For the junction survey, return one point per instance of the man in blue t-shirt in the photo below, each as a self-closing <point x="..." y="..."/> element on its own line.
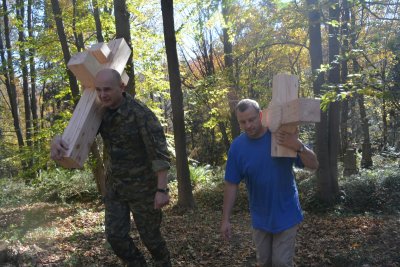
<point x="274" y="203"/>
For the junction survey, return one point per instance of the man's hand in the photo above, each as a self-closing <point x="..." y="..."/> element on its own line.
<point x="58" y="148"/>
<point x="160" y="200"/>
<point x="226" y="231"/>
<point x="289" y="140"/>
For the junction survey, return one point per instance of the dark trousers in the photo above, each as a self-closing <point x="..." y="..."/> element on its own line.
<point x="147" y="220"/>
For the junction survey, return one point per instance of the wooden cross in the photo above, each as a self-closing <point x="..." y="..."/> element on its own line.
<point x="85" y="122"/>
<point x="286" y="111"/>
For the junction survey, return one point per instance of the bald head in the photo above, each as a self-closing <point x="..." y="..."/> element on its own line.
<point x="109" y="88"/>
<point x="110" y="75"/>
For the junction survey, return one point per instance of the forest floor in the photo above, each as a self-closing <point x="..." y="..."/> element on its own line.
<point x="48" y="234"/>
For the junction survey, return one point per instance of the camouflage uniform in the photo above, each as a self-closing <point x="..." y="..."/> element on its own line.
<point x="135" y="149"/>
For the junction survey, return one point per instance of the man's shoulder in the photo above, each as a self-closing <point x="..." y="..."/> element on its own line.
<point x="238" y="142"/>
<point x="239" y="139"/>
<point x="137" y="106"/>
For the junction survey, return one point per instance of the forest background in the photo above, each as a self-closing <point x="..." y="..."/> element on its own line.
<point x="191" y="62"/>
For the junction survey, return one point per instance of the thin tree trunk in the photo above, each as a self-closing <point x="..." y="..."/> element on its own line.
<point x="24" y="67"/>
<point x="122" y="28"/>
<point x="185" y="195"/>
<point x="385" y="126"/>
<point x="34" y="107"/>
<point x="324" y="182"/>
<point x="10" y="76"/>
<point x="96" y="15"/>
<point x="334" y="107"/>
<point x="344" y="105"/>
<point x="228" y="60"/>
<point x="77" y="35"/>
<point x="64" y="45"/>
<point x="366" y="159"/>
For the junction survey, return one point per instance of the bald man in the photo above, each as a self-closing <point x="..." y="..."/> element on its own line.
<point x="137" y="162"/>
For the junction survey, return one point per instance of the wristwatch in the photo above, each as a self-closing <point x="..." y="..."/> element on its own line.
<point x="301" y="149"/>
<point x="165" y="190"/>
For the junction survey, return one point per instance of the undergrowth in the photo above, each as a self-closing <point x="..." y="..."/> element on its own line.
<point x="374" y="190"/>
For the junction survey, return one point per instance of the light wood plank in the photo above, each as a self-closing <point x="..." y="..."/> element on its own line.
<point x="286" y="111"/>
<point x="82" y="129"/>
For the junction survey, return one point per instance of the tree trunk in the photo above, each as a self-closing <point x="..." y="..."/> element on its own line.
<point x="385" y="126"/>
<point x="10" y="76"/>
<point x="325" y="188"/>
<point x="64" y="45"/>
<point x="80" y="46"/>
<point x="228" y="60"/>
<point x="185" y="195"/>
<point x="366" y="159"/>
<point x="350" y="162"/>
<point x="122" y="28"/>
<point x="344" y="105"/>
<point x="32" y="68"/>
<point x="334" y="107"/>
<point x="96" y="15"/>
<point x="24" y="67"/>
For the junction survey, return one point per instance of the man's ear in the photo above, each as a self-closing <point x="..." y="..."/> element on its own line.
<point x="122" y="86"/>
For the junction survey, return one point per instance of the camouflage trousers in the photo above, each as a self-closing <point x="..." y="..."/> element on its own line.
<point x="147" y="220"/>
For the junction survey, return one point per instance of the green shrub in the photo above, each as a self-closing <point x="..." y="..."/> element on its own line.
<point x="388" y="194"/>
<point x="373" y="191"/>
<point x="65" y="185"/>
<point x="308" y="195"/>
<point x="358" y="194"/>
<point x="14" y="192"/>
<point x="376" y="190"/>
<point x="205" y="174"/>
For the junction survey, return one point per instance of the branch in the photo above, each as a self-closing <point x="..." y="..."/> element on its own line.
<point x="377" y="16"/>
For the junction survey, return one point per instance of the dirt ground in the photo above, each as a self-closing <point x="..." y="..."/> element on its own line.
<point x="44" y="234"/>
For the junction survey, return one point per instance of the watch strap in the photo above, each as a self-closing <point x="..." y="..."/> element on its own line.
<point x="161" y="190"/>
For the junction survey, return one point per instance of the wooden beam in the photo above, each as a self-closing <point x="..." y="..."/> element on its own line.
<point x="85" y="65"/>
<point x="84" y="124"/>
<point x="295" y="112"/>
<point x="82" y="129"/>
<point x="286" y="111"/>
<point x="101" y="52"/>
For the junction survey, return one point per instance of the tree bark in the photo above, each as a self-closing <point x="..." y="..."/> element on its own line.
<point x="325" y="187"/>
<point x="334" y="107"/>
<point x="185" y="195"/>
<point x="10" y="76"/>
<point x="344" y="104"/>
<point x="228" y="60"/>
<point x="122" y="28"/>
<point x="366" y="159"/>
<point x="80" y="46"/>
<point x="32" y="68"/>
<point x="96" y="15"/>
<point x="64" y="45"/>
<point x="384" y="125"/>
<point x="24" y="67"/>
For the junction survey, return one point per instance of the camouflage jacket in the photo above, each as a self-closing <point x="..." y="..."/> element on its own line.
<point x="134" y="142"/>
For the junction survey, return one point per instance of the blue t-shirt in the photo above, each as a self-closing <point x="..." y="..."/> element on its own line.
<point x="273" y="197"/>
